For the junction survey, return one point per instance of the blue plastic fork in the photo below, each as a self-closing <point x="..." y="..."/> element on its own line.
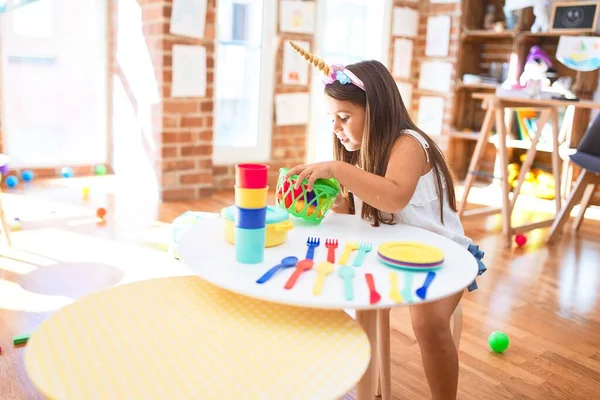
<point x="312" y="243"/>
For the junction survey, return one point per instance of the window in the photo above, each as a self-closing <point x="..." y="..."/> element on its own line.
<point x="244" y="80"/>
<point x="54" y="63"/>
<point x="359" y="23"/>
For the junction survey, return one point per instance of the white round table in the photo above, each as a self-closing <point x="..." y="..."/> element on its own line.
<point x="205" y="250"/>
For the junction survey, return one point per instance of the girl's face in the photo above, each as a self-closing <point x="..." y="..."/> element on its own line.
<point x="348" y="120"/>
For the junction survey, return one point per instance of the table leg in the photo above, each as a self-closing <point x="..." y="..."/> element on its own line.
<point x="385" y="365"/>
<point x="365" y="389"/>
<point x="476" y="158"/>
<point x="503" y="153"/>
<point x="531" y="152"/>
<point x="556" y="158"/>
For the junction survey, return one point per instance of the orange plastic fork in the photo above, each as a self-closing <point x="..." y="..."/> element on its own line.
<point x="331" y="245"/>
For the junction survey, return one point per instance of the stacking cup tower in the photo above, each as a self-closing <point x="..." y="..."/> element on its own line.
<point x="250" y="212"/>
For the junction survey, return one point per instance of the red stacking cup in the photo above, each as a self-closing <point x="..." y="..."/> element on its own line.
<point x="251" y="176"/>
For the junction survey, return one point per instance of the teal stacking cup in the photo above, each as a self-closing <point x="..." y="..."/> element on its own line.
<point x="249" y="245"/>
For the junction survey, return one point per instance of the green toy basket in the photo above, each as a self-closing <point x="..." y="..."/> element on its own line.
<point x="311" y="206"/>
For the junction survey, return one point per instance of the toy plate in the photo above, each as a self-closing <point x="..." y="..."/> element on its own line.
<point x="389" y="260"/>
<point x="410" y="267"/>
<point x="411" y="253"/>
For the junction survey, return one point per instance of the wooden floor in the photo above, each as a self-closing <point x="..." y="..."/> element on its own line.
<point x="547" y="299"/>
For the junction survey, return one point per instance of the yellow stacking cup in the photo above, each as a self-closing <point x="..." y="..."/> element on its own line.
<point x="251" y="198"/>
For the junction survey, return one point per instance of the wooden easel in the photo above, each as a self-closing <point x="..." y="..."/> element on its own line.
<point x="495" y="106"/>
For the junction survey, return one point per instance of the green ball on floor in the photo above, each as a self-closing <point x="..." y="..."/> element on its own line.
<point x="498" y="341"/>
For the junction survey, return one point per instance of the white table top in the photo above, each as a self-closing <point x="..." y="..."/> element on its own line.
<point x="205" y="251"/>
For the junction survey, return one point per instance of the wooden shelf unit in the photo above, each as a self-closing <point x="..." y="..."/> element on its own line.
<point x="478" y="48"/>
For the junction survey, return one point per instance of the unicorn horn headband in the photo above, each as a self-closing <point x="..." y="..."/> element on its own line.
<point x="332" y="73"/>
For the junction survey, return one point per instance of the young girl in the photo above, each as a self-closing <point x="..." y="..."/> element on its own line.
<point x="392" y="172"/>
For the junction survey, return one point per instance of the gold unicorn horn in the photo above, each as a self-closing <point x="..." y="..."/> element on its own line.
<point x="317" y="62"/>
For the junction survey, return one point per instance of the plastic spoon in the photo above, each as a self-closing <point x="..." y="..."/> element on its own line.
<point x="374" y="296"/>
<point x="323" y="269"/>
<point x="422" y="291"/>
<point x="347" y="274"/>
<point x="394" y="292"/>
<point x="301" y="267"/>
<point x="287" y="262"/>
<point x="407" y="290"/>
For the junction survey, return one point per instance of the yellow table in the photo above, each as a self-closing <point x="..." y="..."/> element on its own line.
<point x="183" y="338"/>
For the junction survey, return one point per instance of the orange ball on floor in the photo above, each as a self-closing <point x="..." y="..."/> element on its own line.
<point x="101" y="212"/>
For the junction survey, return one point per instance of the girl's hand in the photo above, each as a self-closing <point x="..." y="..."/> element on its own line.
<point x="312" y="172"/>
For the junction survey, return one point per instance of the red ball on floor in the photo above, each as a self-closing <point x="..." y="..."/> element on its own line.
<point x="101" y="213"/>
<point x="520" y="240"/>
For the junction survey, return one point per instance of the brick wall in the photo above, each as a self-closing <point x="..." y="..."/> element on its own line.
<point x="427" y="9"/>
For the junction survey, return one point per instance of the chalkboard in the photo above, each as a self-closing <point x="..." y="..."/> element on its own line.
<point x="575" y="17"/>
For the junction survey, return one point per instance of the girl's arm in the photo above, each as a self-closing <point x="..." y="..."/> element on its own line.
<point x="341" y="205"/>
<point x="392" y="192"/>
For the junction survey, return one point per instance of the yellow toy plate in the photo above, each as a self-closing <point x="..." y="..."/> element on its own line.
<point x="411" y="252"/>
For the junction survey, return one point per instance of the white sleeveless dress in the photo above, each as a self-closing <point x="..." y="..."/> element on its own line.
<point x="423" y="211"/>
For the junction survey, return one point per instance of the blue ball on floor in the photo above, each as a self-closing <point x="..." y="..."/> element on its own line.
<point x="12" y="181"/>
<point x="67" y="172"/>
<point x="27" y="175"/>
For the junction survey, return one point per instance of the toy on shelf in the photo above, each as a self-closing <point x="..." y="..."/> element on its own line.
<point x="312" y="205"/>
<point x="250" y="219"/>
<point x="277" y="225"/>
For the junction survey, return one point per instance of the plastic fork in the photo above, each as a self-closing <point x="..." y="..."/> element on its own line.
<point x="363" y="249"/>
<point x="348" y="249"/>
<point x="312" y="243"/>
<point x="331" y="245"/>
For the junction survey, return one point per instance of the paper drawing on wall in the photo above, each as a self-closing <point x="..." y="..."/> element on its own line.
<point x="580" y="53"/>
<point x="188" y="18"/>
<point x="297" y="16"/>
<point x="295" y="69"/>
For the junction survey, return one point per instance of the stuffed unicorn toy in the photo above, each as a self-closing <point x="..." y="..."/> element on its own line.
<point x="541" y="10"/>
